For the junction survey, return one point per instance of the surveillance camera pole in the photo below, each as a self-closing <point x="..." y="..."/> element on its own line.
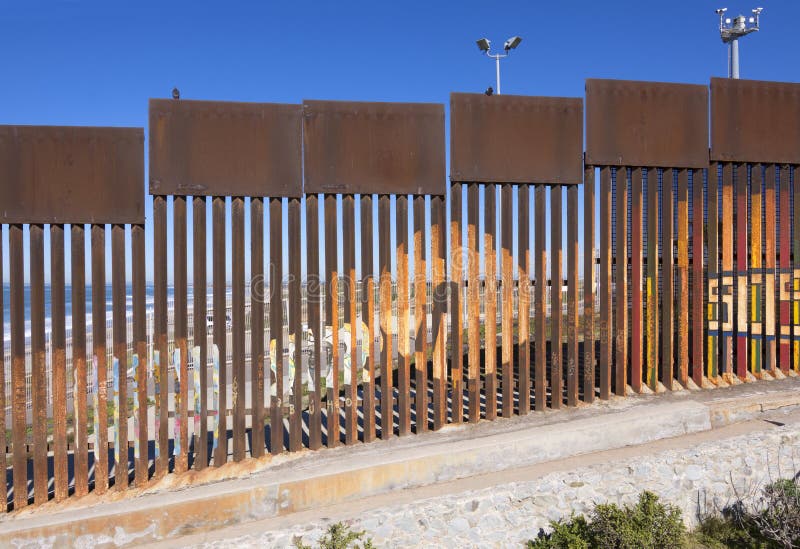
<point x="485" y="47"/>
<point x="730" y="32"/>
<point x="497" y="58"/>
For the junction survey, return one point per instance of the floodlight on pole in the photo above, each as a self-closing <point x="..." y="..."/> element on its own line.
<point x="484" y="44"/>
<point x="730" y="30"/>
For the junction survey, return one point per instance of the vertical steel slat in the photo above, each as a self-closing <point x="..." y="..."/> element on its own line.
<point x="726" y="283"/>
<point x="314" y="322"/>
<point x="572" y="295"/>
<point x="350" y="319"/>
<point x="403" y="359"/>
<point x="276" y="324"/>
<point x="238" y="327"/>
<point x="257" y="297"/>
<point x="756" y="274"/>
<point x="621" y="317"/>
<point x="332" y="315"/>
<point x="507" y="262"/>
<point x="181" y="332"/>
<point x="473" y="305"/>
<point x="421" y="315"/>
<point x="439" y="317"/>
<point x="140" y="348"/>
<point x="667" y="278"/>
<point x="588" y="284"/>
<point x="78" y="270"/>
<point x="367" y="316"/>
<point x="220" y="326"/>
<point x="38" y="374"/>
<point x="524" y="276"/>
<point x="160" y="359"/>
<point x="199" y="284"/>
<point x="698" y="284"/>
<point x="490" y="299"/>
<point x="120" y="337"/>
<point x="652" y="280"/>
<point x="769" y="269"/>
<point x="3" y="457"/>
<point x="456" y="305"/>
<point x="636" y="280"/>
<point x="295" y="326"/>
<point x="556" y="285"/>
<point x="606" y="340"/>
<point x="785" y="269"/>
<point x="683" y="277"/>
<point x="713" y="313"/>
<point x="795" y="271"/>
<point x="19" y="400"/>
<point x="100" y="357"/>
<point x="385" y="265"/>
<point x="540" y="259"/>
<point x="741" y="270"/>
<point x="58" y="361"/>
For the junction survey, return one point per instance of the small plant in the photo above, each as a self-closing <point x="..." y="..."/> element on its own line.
<point x="769" y="519"/>
<point x="339" y="536"/>
<point x="648" y="524"/>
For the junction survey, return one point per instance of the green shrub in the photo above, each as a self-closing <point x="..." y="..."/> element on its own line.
<point x="648" y="524"/>
<point x="339" y="536"/>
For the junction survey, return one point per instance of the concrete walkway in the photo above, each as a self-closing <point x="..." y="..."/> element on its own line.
<point x="303" y="488"/>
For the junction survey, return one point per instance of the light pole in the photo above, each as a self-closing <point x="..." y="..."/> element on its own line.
<point x="731" y="30"/>
<point x="510" y="44"/>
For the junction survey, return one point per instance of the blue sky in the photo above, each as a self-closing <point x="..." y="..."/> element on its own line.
<point x="77" y="62"/>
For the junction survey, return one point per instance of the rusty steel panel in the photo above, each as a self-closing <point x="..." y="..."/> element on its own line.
<point x="754" y="121"/>
<point x="181" y="333"/>
<point x="784" y="272"/>
<point x="58" y="360"/>
<point x="54" y="174"/>
<point x="120" y="358"/>
<point x="516" y="139"/>
<point x="646" y="124"/>
<point x="225" y="149"/>
<point x="403" y="348"/>
<point x="770" y="301"/>
<point x="257" y="328"/>
<point x="357" y="147"/>
<point x="295" y="328"/>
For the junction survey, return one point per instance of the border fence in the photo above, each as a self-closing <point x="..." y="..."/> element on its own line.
<point x="406" y="303"/>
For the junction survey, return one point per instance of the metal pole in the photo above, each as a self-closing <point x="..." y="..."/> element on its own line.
<point x="735" y="59"/>
<point x="497" y="63"/>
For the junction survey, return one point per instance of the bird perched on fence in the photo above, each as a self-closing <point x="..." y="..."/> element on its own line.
<point x="176" y="93"/>
<point x="489" y="91"/>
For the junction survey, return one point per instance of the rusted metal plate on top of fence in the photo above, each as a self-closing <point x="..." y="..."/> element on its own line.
<point x="646" y="124"/>
<point x="60" y="174"/>
<point x="216" y="148"/>
<point x="753" y="121"/>
<point x="381" y="148"/>
<point x="515" y="139"/>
